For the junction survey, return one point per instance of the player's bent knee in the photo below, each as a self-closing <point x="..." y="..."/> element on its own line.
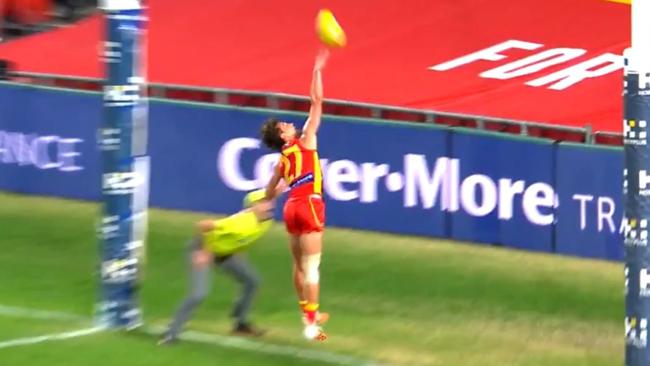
<point x="298" y="269"/>
<point x="310" y="265"/>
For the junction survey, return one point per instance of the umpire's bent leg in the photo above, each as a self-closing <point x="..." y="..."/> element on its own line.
<point x="238" y="266"/>
<point x="199" y="288"/>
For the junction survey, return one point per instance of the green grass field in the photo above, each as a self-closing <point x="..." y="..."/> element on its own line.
<point x="395" y="300"/>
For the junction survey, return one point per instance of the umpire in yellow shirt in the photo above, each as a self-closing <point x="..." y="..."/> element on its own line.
<point x="221" y="242"/>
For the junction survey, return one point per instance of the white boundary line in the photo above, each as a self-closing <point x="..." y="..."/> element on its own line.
<point x="271" y="349"/>
<point x="49" y="337"/>
<point x="191" y="336"/>
<point x="19" y="312"/>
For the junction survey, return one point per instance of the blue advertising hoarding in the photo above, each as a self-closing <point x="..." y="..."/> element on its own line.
<point x="44" y="149"/>
<point x="371" y="181"/>
<point x="590" y="214"/>
<point x="505" y="190"/>
<point x="400" y="178"/>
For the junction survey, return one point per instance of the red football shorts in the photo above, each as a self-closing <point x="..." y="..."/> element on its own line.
<point x="304" y="215"/>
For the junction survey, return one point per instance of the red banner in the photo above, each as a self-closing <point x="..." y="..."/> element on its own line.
<point x="551" y="61"/>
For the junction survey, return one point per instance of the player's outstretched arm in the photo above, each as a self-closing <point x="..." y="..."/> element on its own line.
<point x="312" y="124"/>
<point x="272" y="189"/>
<point x="280" y="188"/>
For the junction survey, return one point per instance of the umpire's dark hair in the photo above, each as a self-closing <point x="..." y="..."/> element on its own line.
<point x="271" y="135"/>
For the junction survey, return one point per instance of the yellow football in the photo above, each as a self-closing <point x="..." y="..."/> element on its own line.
<point x="328" y="29"/>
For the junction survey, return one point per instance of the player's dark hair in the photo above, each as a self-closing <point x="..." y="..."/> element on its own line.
<point x="271" y="135"/>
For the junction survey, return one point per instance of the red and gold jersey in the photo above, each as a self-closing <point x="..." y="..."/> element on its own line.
<point x="301" y="170"/>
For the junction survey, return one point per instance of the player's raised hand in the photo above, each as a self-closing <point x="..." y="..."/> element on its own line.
<point x="321" y="59"/>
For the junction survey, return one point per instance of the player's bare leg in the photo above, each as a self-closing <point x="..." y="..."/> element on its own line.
<point x="311" y="247"/>
<point x="299" y="279"/>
